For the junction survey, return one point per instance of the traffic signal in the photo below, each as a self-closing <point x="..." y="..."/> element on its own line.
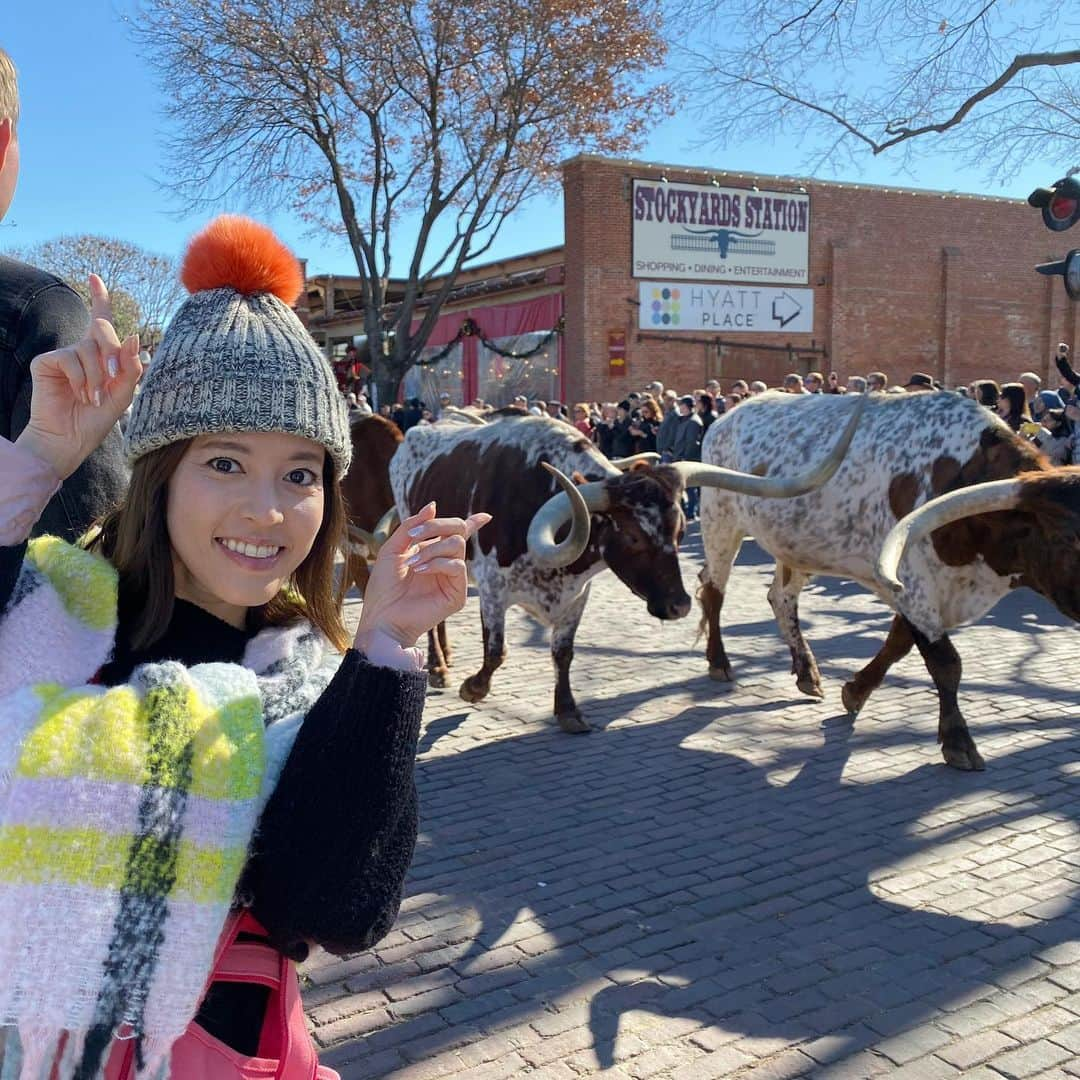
<point x="1060" y="206"/>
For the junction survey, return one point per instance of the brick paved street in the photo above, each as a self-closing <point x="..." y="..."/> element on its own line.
<point x="733" y="882"/>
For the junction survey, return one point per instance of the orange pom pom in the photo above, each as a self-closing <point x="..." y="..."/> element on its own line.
<point x="234" y="252"/>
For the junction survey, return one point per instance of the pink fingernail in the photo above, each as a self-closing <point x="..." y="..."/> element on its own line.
<point x="416" y="531"/>
<point x="113" y="367"/>
<point x="97" y="398"/>
<point x="421" y="569"/>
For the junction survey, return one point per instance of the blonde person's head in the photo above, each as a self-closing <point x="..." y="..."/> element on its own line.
<point x="9" y="90"/>
<point x="9" y="142"/>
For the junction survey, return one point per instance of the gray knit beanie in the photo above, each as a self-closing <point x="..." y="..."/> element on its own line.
<point x="235" y="356"/>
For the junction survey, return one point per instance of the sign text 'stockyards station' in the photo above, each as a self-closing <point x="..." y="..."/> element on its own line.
<point x="709" y="233"/>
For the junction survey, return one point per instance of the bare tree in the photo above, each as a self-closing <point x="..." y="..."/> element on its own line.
<point x="145" y="288"/>
<point x="368" y="116"/>
<point x="1000" y="81"/>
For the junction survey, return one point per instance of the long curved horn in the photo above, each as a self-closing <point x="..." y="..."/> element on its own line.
<point x="944" y="510"/>
<point x="625" y="464"/>
<point x="696" y="474"/>
<point x="460" y="414"/>
<point x="386" y="525"/>
<point x="362" y="538"/>
<point x="574" y="504"/>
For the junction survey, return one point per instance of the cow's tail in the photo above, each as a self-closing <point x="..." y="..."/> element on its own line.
<point x="703" y="622"/>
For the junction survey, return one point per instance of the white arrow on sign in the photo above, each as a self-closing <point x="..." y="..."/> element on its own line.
<point x="786" y="308"/>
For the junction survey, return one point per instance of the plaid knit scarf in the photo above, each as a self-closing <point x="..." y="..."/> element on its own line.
<point x="125" y="814"/>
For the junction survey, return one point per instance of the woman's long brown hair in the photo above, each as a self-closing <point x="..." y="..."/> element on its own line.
<point x="134" y="537"/>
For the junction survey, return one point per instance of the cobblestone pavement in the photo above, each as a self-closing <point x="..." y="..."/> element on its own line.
<point x="733" y="882"/>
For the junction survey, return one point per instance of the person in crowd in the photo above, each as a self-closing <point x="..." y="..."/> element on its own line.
<point x="358" y="372"/>
<point x="713" y="388"/>
<point x="410" y="413"/>
<point x="604" y="429"/>
<point x="646" y="428"/>
<point x="1072" y="378"/>
<point x="445" y="402"/>
<point x="832" y="384"/>
<point x="757" y="387"/>
<point x="740" y="387"/>
<point x="581" y="419"/>
<point x="814" y="382"/>
<point x="706" y="410"/>
<point x="656" y="388"/>
<point x="669" y="425"/>
<point x="520" y="401"/>
<point x="538" y="408"/>
<point x="856" y="384"/>
<point x="987" y="393"/>
<point x="363" y="406"/>
<point x="351" y="404"/>
<point x="1032" y="384"/>
<point x="557" y="410"/>
<point x="732" y="399"/>
<point x="1044" y="401"/>
<point x="1012" y="405"/>
<point x="793" y="384"/>
<point x="387" y="411"/>
<point x="622" y="442"/>
<point x="38" y="314"/>
<point x="688" y="447"/>
<point x="208" y="652"/>
<point x="877" y="382"/>
<point x="921" y="383"/>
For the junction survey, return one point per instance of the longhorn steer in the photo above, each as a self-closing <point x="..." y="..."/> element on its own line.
<point x="908" y="449"/>
<point x="630" y="522"/>
<point x="366" y="490"/>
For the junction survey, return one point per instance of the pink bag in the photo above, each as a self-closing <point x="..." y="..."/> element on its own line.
<point x="286" y="1051"/>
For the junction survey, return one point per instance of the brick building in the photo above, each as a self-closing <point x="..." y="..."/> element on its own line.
<point x="684" y="274"/>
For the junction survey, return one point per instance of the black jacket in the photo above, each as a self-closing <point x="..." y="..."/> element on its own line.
<point x="688" y="438"/>
<point x="39" y="313"/>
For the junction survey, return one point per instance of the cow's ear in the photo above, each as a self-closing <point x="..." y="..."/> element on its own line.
<point x="578" y="477"/>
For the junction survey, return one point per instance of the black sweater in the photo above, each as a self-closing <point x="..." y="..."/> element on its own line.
<point x="335" y="841"/>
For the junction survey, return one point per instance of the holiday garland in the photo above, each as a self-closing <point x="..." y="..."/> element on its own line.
<point x="469" y="328"/>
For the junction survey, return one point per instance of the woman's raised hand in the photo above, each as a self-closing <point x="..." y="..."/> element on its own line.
<point x="81" y="391"/>
<point x="419" y="578"/>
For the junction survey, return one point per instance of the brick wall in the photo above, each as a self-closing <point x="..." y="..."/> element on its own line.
<point x="904" y="281"/>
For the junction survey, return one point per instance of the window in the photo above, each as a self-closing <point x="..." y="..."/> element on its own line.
<point x="501" y="378"/>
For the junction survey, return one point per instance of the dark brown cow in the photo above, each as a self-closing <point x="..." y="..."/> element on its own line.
<point x="366" y="489"/>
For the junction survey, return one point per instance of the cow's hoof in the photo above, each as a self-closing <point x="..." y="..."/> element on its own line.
<point x="810" y="686"/>
<point x="472" y="689"/>
<point x="852" y="701"/>
<point x="573" y="722"/>
<point x="966" y="758"/>
<point x="721" y="673"/>
<point x="438" y="678"/>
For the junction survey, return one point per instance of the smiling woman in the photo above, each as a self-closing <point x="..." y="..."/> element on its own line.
<point x="187" y="713"/>
<point x="199" y="488"/>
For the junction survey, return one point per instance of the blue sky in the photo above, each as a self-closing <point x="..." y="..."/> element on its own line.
<point x="91" y="125"/>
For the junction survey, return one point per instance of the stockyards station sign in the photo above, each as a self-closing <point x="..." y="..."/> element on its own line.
<point x="669" y="305"/>
<point x="698" y="232"/>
